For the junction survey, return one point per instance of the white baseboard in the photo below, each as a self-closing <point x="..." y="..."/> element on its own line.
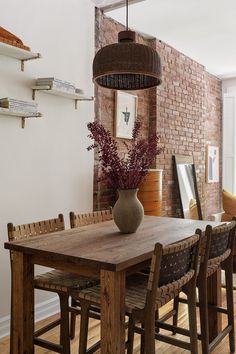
<point x="4" y="326"/>
<point x="42" y="310"/>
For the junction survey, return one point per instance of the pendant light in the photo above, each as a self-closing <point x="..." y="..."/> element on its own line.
<point x="127" y="65"/>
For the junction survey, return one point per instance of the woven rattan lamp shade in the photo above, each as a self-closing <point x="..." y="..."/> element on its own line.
<point x="127" y="65"/>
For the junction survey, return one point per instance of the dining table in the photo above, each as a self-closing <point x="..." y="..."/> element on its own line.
<point x="97" y="250"/>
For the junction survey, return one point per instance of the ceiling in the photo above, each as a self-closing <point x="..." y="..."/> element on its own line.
<point x="107" y="5"/>
<point x="205" y="30"/>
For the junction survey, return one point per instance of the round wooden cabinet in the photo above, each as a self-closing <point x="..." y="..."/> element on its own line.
<point x="150" y="193"/>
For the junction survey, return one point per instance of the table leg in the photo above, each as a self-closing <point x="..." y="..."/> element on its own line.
<point x="112" y="312"/>
<point x="22" y="305"/>
<point x="214" y="298"/>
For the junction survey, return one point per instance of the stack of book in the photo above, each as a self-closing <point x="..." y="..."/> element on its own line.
<point x="58" y="84"/>
<point x="19" y="105"/>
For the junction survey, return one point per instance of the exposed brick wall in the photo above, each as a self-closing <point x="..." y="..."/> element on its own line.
<point x="185" y="110"/>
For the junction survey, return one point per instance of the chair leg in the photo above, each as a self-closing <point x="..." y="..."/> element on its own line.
<point x="157" y="329"/>
<point x="230" y="304"/>
<point x="84" y="321"/>
<point x="130" y="343"/>
<point x="72" y="319"/>
<point x="11" y="326"/>
<point x="191" y="294"/>
<point x="203" y="308"/>
<point x="142" y="348"/>
<point x="149" y="334"/>
<point x="176" y="309"/>
<point x="64" y="327"/>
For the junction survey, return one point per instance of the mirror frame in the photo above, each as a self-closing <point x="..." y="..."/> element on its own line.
<point x="188" y="160"/>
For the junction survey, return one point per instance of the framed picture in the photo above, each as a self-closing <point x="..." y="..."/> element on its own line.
<point x="126" y="113"/>
<point x="212" y="164"/>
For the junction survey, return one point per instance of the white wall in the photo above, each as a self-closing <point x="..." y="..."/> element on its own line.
<point x="228" y="85"/>
<point x="229" y="133"/>
<point x="45" y="168"/>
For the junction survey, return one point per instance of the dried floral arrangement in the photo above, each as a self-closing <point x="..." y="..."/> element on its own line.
<point x="127" y="172"/>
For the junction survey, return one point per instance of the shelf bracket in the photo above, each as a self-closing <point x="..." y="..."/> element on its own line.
<point x="38" y="56"/>
<point x="82" y="99"/>
<point x="23" y="122"/>
<point x="24" y="118"/>
<point x="33" y="94"/>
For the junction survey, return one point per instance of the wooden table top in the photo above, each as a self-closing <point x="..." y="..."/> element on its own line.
<point x="103" y="246"/>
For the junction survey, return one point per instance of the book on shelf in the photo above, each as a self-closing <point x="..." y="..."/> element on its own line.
<point x="58" y="85"/>
<point x="18" y="105"/>
<point x="8" y="99"/>
<point x="63" y="88"/>
<point x="52" y="80"/>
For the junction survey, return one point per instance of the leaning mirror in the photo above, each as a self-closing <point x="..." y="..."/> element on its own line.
<point x="187" y="187"/>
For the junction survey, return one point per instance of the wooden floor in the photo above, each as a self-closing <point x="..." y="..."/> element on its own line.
<point x="161" y="348"/>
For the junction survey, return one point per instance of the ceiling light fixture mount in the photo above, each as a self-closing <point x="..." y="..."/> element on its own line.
<point x="127" y="65"/>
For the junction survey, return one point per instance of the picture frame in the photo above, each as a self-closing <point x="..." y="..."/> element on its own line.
<point x="125" y="114"/>
<point x="212" y="164"/>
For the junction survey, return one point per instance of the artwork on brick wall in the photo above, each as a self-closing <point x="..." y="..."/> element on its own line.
<point x="212" y="164"/>
<point x="125" y="114"/>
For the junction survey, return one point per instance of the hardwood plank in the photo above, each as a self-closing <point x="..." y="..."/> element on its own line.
<point x="22" y="305"/>
<point x="112" y="312"/>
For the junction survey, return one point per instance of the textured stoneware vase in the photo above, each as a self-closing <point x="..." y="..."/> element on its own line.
<point x="128" y="211"/>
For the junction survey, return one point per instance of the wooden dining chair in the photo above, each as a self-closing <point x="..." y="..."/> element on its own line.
<point x="79" y="220"/>
<point x="173" y="269"/>
<point x="216" y="254"/>
<point x="56" y="281"/>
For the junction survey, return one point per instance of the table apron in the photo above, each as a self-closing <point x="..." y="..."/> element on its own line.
<point x="66" y="266"/>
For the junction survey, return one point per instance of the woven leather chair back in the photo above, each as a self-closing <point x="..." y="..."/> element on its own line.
<point x="90" y="218"/>
<point x="221" y="239"/>
<point x="175" y="265"/>
<point x="217" y="243"/>
<point x="21" y="232"/>
<point x="173" y="262"/>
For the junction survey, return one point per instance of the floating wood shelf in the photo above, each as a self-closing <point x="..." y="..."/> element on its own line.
<point x="23" y="116"/>
<point x="18" y="53"/>
<point x="73" y="96"/>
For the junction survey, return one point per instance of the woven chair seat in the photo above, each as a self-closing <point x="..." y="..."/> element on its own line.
<point x="136" y="289"/>
<point x="60" y="281"/>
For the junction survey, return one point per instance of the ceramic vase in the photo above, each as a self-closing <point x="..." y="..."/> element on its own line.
<point x="128" y="211"/>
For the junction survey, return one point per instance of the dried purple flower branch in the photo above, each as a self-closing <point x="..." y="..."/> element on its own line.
<point x="124" y="173"/>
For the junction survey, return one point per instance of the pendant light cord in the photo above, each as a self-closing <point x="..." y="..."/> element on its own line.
<point x="127" y="15"/>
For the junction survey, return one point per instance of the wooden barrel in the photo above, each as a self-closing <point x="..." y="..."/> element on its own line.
<point x="150" y="193"/>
